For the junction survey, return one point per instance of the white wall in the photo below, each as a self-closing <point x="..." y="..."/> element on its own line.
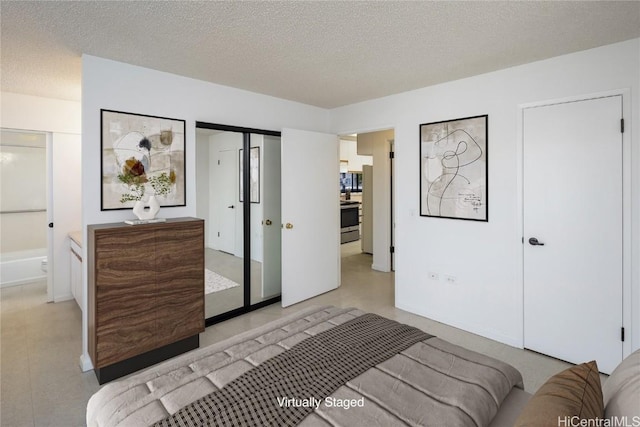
<point x="42" y="114"/>
<point x="486" y="257"/>
<point x="62" y="121"/>
<point x="123" y="87"/>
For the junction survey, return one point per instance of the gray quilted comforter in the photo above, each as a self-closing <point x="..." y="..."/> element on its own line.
<point x="431" y="383"/>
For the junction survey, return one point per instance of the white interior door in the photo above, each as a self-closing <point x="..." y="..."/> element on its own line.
<point x="229" y="194"/>
<point x="310" y="215"/>
<point x="573" y="207"/>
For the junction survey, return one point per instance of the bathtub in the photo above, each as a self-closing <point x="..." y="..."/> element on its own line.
<point x="17" y="268"/>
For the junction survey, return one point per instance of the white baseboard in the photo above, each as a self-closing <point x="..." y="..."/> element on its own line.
<point x="468" y="327"/>
<point x="85" y="363"/>
<point x="63" y="297"/>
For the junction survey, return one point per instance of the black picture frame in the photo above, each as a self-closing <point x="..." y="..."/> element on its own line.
<point x="454" y="169"/>
<point x="135" y="147"/>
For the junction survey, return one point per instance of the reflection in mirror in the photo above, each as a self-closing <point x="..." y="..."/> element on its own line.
<point x="218" y="203"/>
<point x="266" y="277"/>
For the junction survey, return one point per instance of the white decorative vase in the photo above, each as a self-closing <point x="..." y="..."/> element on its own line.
<point x="143" y="213"/>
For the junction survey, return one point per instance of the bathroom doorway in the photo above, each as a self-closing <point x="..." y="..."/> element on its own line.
<point x="25" y="238"/>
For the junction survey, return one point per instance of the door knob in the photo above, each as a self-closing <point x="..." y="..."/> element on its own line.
<point x="231" y="207"/>
<point x="268" y="222"/>
<point x="534" y="242"/>
<point x="289" y="226"/>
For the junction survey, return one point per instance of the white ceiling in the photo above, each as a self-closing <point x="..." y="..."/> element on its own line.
<point x="323" y="53"/>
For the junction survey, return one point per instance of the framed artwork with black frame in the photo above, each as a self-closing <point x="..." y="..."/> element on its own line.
<point x="140" y="156"/>
<point x="454" y="169"/>
<point x="254" y="175"/>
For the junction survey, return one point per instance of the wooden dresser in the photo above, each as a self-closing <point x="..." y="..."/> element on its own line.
<point x="145" y="293"/>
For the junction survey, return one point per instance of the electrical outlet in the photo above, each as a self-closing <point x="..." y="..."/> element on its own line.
<point x="433" y="276"/>
<point x="450" y="279"/>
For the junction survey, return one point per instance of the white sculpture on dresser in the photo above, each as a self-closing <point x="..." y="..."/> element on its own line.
<point x="142" y="213"/>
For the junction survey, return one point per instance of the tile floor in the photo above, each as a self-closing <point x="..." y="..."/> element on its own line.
<point x="41" y="381"/>
<point x="42" y="385"/>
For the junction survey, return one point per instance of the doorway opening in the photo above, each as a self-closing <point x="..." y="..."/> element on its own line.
<point x="23" y="208"/>
<point x="366" y="186"/>
<point x="238" y="195"/>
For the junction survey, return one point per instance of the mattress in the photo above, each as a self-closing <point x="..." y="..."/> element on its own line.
<point x="432" y="382"/>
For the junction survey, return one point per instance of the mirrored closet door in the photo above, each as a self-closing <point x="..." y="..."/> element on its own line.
<point x="264" y="161"/>
<point x="238" y="196"/>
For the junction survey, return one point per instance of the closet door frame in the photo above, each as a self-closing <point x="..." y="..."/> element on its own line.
<point x="246" y="222"/>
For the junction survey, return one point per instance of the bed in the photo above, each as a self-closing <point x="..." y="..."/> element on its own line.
<point x="427" y="381"/>
<point x="395" y="375"/>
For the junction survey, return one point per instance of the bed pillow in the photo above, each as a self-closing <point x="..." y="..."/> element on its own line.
<point x="574" y="392"/>
<point x="621" y="390"/>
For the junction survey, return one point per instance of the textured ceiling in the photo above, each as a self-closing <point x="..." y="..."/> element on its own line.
<point x="320" y="53"/>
